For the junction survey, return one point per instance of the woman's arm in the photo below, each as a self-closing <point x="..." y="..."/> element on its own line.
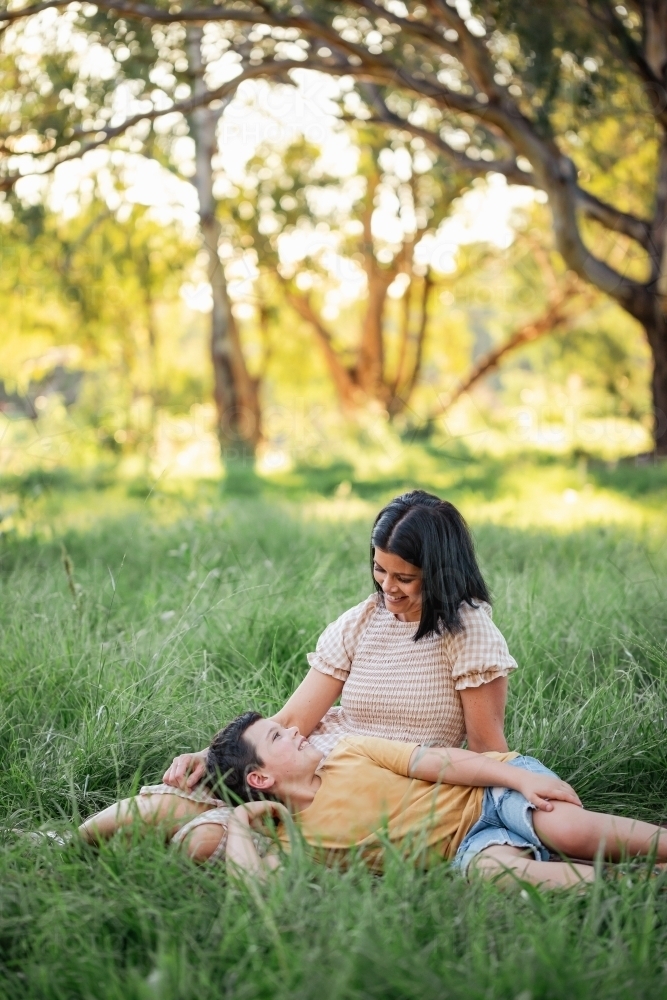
<point x="310" y="702"/>
<point x="453" y="766"/>
<point x="186" y="770"/>
<point x="484" y="714"/>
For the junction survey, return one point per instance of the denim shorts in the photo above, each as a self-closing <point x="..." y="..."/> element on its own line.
<point x="506" y="819"/>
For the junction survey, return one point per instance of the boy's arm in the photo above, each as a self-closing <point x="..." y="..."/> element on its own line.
<point x="241" y="853"/>
<point x="453" y="766"/>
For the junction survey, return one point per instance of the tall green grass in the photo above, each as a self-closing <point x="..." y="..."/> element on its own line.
<point x="129" y="637"/>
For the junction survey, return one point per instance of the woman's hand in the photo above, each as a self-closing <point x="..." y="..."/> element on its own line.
<point x="540" y="788"/>
<point x="186" y="770"/>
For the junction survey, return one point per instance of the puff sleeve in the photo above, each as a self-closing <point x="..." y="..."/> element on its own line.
<point x="337" y="644"/>
<point x="479" y="653"/>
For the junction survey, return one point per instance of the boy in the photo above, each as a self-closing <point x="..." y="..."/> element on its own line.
<point x="492" y="812"/>
<point x="204" y="826"/>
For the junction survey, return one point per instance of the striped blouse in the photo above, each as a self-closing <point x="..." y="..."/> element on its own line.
<point x="400" y="689"/>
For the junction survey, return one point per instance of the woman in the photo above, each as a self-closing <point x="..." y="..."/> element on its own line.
<point x="420" y="660"/>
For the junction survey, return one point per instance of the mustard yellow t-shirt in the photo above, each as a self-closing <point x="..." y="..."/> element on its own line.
<point x="366" y="798"/>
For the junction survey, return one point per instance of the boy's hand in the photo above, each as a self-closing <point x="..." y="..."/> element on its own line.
<point x="540" y="788"/>
<point x="253" y="813"/>
<point x="186" y="770"/>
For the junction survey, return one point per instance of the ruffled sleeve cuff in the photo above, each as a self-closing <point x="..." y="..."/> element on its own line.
<point x="318" y="662"/>
<point x="474" y="680"/>
<point x="337" y="645"/>
<point x="480" y="653"/>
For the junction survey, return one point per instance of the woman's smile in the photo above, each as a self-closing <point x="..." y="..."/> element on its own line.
<point x="401" y="584"/>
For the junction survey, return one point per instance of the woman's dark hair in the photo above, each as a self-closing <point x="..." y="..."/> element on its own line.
<point x="231" y="757"/>
<point x="431" y="534"/>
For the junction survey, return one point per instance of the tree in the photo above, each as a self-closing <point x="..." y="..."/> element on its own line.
<point x="382" y="362"/>
<point x="55" y="110"/>
<point x="498" y="85"/>
<point x="87" y="303"/>
<point x="236" y="392"/>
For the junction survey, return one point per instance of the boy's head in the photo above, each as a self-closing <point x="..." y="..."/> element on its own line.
<point x="258" y="758"/>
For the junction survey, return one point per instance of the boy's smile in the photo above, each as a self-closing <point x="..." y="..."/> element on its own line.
<point x="289" y="762"/>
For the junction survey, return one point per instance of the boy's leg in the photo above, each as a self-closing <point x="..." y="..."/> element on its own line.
<point x="171" y="810"/>
<point x="578" y="833"/>
<point x="506" y="864"/>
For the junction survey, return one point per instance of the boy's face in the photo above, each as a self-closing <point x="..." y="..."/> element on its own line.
<point x="287" y="756"/>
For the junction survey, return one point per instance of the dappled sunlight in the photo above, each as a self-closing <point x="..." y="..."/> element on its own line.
<point x="185" y="446"/>
<point x="527" y="500"/>
<point x="568" y="510"/>
<point x="538" y="492"/>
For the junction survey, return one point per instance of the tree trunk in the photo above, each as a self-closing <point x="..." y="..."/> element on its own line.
<point x="369" y="369"/>
<point x="655" y="325"/>
<point x="236" y="394"/>
<point x="370" y="366"/>
<point x="405" y="386"/>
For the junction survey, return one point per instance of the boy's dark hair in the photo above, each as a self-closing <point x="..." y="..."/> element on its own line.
<point x="231" y="757"/>
<point x="430" y="533"/>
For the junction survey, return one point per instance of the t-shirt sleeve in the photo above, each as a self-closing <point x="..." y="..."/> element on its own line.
<point x="392" y="754"/>
<point x="479" y="653"/>
<point x="338" y="643"/>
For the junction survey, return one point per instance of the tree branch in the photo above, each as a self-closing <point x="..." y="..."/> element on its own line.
<point x="473" y="52"/>
<point x="509" y="168"/>
<point x="105" y="135"/>
<point x="557" y="316"/>
<point x="16" y="14"/>
<point x="410" y="26"/>
<point x="346" y="387"/>
<point x="363" y="63"/>
<point x="408" y="389"/>
<point x="606" y="17"/>
<point x="610" y="217"/>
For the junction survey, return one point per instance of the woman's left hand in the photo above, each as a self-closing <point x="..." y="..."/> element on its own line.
<point x="540" y="788"/>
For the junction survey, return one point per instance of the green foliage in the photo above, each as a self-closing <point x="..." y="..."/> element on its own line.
<point x="98" y="296"/>
<point x="184" y="607"/>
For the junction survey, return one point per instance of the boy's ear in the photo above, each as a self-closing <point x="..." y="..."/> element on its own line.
<point x="259" y="781"/>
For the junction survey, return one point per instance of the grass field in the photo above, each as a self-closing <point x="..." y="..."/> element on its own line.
<point x="132" y="625"/>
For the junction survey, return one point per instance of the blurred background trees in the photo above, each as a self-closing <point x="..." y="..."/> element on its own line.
<point x="345" y="282"/>
<point x="361" y="289"/>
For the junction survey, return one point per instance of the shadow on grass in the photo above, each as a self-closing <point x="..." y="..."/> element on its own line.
<point x="38" y="481"/>
<point x="423" y="469"/>
<point x="450" y="472"/>
<point x="637" y="479"/>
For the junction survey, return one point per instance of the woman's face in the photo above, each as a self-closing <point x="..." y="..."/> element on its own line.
<point x="401" y="584"/>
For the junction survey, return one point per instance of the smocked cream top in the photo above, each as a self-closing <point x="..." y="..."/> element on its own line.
<point x="400" y="689"/>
